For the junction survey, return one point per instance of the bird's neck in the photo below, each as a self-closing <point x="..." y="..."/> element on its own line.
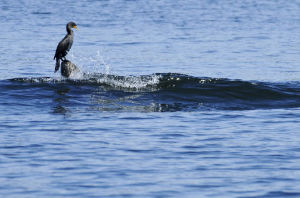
<point x="69" y="30"/>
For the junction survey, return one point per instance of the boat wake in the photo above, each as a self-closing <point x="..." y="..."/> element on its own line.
<point x="162" y="92"/>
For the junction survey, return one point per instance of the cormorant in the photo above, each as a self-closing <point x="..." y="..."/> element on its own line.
<point x="64" y="45"/>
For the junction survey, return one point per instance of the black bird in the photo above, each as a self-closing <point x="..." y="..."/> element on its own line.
<point x="64" y="45"/>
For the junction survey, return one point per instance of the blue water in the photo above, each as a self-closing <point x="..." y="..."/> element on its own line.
<point x="174" y="99"/>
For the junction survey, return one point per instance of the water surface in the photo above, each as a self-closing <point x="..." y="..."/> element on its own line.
<point x="175" y="99"/>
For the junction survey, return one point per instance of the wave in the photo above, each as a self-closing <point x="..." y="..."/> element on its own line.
<point x="158" y="92"/>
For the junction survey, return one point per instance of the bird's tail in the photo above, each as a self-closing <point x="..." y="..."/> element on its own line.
<point x="57" y="64"/>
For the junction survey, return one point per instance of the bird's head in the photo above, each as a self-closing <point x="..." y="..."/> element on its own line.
<point x="72" y="25"/>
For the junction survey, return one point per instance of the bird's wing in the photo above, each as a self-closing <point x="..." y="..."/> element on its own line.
<point x="61" y="47"/>
<point x="69" y="43"/>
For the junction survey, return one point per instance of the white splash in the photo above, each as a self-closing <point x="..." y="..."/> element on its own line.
<point x="91" y="64"/>
<point x="95" y="68"/>
<point x="127" y="82"/>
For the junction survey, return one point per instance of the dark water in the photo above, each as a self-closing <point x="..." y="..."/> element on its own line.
<point x="152" y="93"/>
<point x="175" y="99"/>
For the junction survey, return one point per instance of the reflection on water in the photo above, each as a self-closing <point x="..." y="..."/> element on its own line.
<point x="61" y="100"/>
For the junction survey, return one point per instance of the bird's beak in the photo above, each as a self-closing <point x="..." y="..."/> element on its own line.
<point x="76" y="27"/>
